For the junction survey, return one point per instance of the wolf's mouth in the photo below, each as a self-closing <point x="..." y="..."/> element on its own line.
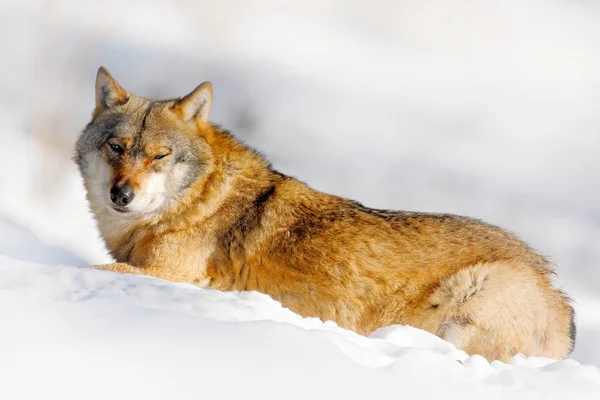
<point x="120" y="210"/>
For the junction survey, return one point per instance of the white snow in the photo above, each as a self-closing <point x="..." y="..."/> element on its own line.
<point x="71" y="333"/>
<point x="489" y="109"/>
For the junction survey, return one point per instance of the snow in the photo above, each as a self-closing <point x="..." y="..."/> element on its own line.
<point x="80" y="333"/>
<point x="490" y="110"/>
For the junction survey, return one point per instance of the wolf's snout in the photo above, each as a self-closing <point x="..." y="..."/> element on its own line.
<point x="121" y="195"/>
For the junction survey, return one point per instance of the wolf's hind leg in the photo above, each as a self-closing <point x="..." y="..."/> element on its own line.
<point x="501" y="309"/>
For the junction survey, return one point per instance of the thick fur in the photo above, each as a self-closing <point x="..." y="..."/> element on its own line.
<point x="213" y="212"/>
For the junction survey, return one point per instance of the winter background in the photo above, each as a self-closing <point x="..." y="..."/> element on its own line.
<point x="489" y="109"/>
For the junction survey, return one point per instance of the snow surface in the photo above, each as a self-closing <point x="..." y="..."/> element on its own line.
<point x="489" y="109"/>
<point x="72" y="333"/>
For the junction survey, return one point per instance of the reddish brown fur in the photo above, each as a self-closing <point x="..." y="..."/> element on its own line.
<point x="243" y="226"/>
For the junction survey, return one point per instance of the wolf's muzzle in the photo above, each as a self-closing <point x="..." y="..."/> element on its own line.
<point x="121" y="195"/>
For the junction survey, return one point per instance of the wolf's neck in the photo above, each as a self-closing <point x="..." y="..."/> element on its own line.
<point x="231" y="204"/>
<point x="237" y="176"/>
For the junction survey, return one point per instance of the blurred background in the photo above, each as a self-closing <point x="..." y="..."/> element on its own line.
<point x="489" y="109"/>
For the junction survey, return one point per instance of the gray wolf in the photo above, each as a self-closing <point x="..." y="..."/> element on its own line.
<point x="179" y="198"/>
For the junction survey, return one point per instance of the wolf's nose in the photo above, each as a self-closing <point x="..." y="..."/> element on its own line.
<point x="121" y="195"/>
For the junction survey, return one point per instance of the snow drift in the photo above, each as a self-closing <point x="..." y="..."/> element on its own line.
<point x="71" y="333"/>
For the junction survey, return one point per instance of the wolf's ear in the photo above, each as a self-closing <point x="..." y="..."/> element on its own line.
<point x="108" y="92"/>
<point x="195" y="105"/>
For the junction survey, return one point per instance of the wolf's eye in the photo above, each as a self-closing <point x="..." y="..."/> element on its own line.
<point x="160" y="156"/>
<point x="116" y="148"/>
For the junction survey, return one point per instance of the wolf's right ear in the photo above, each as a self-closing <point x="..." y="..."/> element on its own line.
<point x="108" y="92"/>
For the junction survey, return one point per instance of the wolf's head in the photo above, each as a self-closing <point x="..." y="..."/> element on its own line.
<point x="137" y="155"/>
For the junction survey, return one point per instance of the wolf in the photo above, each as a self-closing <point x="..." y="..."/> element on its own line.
<point x="179" y="198"/>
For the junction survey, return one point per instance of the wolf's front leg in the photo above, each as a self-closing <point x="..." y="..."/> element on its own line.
<point x="155" y="271"/>
<point x="122" y="268"/>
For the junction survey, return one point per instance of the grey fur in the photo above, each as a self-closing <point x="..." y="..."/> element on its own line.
<point x="139" y="121"/>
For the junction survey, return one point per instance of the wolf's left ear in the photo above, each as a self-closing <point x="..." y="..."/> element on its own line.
<point x="108" y="92"/>
<point x="195" y="105"/>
